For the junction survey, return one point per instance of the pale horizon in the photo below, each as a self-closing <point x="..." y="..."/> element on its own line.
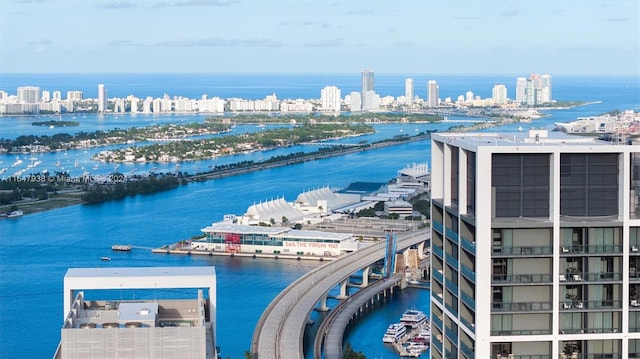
<point x="495" y="37"/>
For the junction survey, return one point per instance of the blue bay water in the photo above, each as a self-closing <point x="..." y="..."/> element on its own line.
<point x="37" y="249"/>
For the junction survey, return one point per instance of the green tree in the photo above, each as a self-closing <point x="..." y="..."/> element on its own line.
<point x="349" y="353"/>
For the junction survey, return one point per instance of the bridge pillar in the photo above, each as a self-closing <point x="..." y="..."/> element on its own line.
<point x="365" y="276"/>
<point x="323" y="304"/>
<point x="343" y="289"/>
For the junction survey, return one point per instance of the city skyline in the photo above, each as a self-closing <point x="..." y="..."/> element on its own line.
<point x="588" y="37"/>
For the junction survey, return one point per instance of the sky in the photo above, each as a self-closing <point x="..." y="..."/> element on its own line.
<point x="567" y="37"/>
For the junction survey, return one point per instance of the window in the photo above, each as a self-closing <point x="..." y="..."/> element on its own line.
<point x="521" y="184"/>
<point x="588" y="184"/>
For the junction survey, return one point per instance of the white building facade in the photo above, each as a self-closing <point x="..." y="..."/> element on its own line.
<point x="534" y="247"/>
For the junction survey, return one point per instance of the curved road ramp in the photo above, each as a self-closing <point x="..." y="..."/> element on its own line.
<point x="279" y="333"/>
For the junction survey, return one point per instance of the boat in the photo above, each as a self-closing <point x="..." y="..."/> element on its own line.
<point x="15" y="214"/>
<point x="423" y="336"/>
<point x="394" y="333"/>
<point x="121" y="247"/>
<point x="413" y="318"/>
<point x="105" y="258"/>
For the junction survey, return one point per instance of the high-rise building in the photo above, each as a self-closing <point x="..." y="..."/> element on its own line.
<point x="46" y="96"/>
<point x="96" y="326"/>
<point x="331" y="99"/>
<point x="102" y="98"/>
<point x="499" y="94"/>
<point x="521" y="89"/>
<point x="433" y="93"/>
<point x="28" y="94"/>
<point x="538" y="90"/>
<point x="355" y="101"/>
<point x="367" y="86"/>
<point x="535" y="246"/>
<point x="57" y="96"/>
<point x="408" y="90"/>
<point x="75" y="96"/>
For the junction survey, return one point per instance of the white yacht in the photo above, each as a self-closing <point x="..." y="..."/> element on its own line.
<point x="413" y="318"/>
<point x="394" y="333"/>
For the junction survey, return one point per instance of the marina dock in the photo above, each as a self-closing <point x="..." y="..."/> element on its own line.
<point x="189" y="251"/>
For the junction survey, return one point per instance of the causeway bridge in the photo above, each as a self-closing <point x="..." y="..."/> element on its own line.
<point x="279" y="333"/>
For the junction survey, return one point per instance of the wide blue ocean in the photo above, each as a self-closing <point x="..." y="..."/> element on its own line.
<point x="36" y="250"/>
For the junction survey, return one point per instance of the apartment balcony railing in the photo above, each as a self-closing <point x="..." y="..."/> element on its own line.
<point x="437" y="321"/>
<point x="590" y="304"/>
<point x="450" y="307"/>
<point x="573" y="276"/>
<point x="451" y="287"/>
<point x="520" y="332"/>
<point x="468" y="273"/>
<point x="634" y="275"/>
<point x="468" y="245"/>
<point x="437" y="225"/>
<point x="593" y="249"/>
<point x="437" y="250"/>
<point x="452" y="261"/>
<point x="530" y="251"/>
<point x="468" y="300"/>
<point x="521" y="279"/>
<point x="588" y="330"/>
<point x="528" y="356"/>
<point x="436" y="344"/>
<point x="438" y="297"/>
<point x="522" y="307"/>
<point x="451" y="354"/>
<point x="468" y="325"/>
<point x="452" y="235"/>
<point x="591" y="356"/>
<point x="452" y="335"/>
<point x="467" y="351"/>
<point x="437" y="275"/>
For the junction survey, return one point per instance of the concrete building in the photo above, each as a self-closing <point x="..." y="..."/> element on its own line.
<point x="102" y="98"/>
<point x="166" y="326"/>
<point x="521" y="89"/>
<point x="499" y="94"/>
<point x="535" y="241"/>
<point x="28" y="94"/>
<point x="367" y="87"/>
<point x="408" y="91"/>
<point x="330" y="99"/>
<point x="433" y="93"/>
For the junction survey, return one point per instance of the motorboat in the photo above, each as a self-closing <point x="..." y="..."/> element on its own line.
<point x="413" y="318"/>
<point x="394" y="333"/>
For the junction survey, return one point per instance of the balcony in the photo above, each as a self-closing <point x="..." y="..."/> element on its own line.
<point x="467" y="351"/>
<point x="437" y="275"/>
<point x="436" y="343"/>
<point x="452" y="335"/>
<point x="521" y="279"/>
<point x="530" y="251"/>
<point x="522" y="307"/>
<point x="468" y="273"/>
<point x="468" y="300"/>
<point x="452" y="235"/>
<point x="437" y="251"/>
<point x="451" y="287"/>
<point x="468" y="245"/>
<point x="589" y="330"/>
<point x="470" y="326"/>
<point x="577" y="355"/>
<point x="575" y="276"/>
<point x="506" y="332"/>
<point x="590" y="305"/>
<point x="437" y="226"/>
<point x="594" y="249"/>
<point x="437" y="321"/>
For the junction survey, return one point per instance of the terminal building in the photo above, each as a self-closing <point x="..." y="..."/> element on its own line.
<point x="182" y="325"/>
<point x="535" y="241"/>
